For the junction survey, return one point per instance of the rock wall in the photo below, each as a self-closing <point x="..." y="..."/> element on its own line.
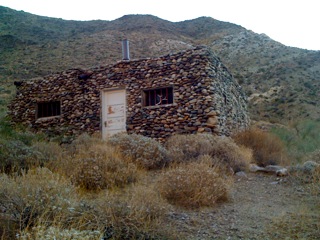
<point x="206" y="97"/>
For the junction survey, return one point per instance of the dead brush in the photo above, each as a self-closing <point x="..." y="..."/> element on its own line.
<point x="49" y="151"/>
<point x="101" y="167"/>
<point x="138" y="212"/>
<point x="82" y="143"/>
<point x="145" y="152"/>
<point x="39" y="197"/>
<point x="186" y="148"/>
<point x="235" y="156"/>
<point x="93" y="165"/>
<point x="267" y="148"/>
<point x="55" y="232"/>
<point x="195" y="184"/>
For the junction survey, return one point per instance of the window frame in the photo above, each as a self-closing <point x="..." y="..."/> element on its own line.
<point x="150" y="96"/>
<point x="53" y="109"/>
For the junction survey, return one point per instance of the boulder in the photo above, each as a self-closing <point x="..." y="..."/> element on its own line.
<point x="282" y="172"/>
<point x="310" y="167"/>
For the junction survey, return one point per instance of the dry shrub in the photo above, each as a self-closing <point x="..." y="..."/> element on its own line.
<point x="49" y="151"/>
<point x="235" y="156"/>
<point x="55" y="232"/>
<point x="84" y="142"/>
<point x="146" y="152"/>
<point x="92" y="164"/>
<point x="186" y="148"/>
<point x="101" y="168"/>
<point x="195" y="184"/>
<point x="267" y="148"/>
<point x="39" y="197"/>
<point x="15" y="156"/>
<point x="18" y="156"/>
<point x="136" y="213"/>
<point x="146" y="203"/>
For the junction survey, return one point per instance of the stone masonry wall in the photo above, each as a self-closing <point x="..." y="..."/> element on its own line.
<point x="206" y="97"/>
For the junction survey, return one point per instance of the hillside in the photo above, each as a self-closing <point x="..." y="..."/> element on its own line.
<point x="282" y="82"/>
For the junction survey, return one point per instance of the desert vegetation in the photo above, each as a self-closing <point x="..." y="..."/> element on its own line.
<point x="268" y="149"/>
<point x="130" y="187"/>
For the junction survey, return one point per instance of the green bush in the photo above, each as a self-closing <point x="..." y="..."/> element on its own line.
<point x="17" y="150"/>
<point x="300" y="139"/>
<point x="16" y="155"/>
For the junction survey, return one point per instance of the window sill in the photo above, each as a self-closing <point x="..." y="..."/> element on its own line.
<point x="161" y="106"/>
<point x="45" y="119"/>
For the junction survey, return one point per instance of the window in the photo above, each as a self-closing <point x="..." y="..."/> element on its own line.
<point x="48" y="109"/>
<point x="159" y="96"/>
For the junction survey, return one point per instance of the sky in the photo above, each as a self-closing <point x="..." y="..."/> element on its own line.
<point x="294" y="23"/>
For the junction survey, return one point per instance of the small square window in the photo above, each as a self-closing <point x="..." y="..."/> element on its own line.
<point x="48" y="109"/>
<point x="158" y="96"/>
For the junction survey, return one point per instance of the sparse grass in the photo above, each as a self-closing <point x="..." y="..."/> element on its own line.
<point x="304" y="223"/>
<point x="267" y="148"/>
<point x="195" y="184"/>
<point x="315" y="187"/>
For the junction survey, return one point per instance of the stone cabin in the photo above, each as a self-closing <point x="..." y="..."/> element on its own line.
<point x="186" y="92"/>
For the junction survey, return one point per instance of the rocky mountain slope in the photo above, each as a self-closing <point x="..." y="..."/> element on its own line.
<point x="282" y="82"/>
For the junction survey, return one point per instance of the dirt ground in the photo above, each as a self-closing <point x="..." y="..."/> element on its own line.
<point x="261" y="206"/>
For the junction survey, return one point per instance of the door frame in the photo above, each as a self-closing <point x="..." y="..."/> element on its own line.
<point x="103" y="108"/>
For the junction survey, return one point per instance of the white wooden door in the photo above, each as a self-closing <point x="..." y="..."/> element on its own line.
<point x="113" y="112"/>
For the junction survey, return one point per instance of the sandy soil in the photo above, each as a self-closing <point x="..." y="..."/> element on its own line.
<point x="260" y="207"/>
